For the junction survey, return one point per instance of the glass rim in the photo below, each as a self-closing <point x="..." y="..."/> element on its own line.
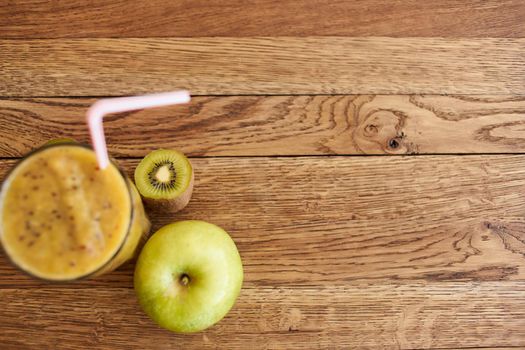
<point x="120" y="247"/>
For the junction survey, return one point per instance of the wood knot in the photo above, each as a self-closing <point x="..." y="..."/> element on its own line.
<point x="393" y="143"/>
<point x="383" y="131"/>
<point x="371" y="129"/>
<point x="292" y="320"/>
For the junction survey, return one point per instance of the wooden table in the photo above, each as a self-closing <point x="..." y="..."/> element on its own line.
<point x="366" y="156"/>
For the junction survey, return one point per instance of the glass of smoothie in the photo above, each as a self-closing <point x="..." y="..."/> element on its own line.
<point x="62" y="218"/>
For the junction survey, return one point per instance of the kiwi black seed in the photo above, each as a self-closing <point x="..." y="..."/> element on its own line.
<point x="164" y="178"/>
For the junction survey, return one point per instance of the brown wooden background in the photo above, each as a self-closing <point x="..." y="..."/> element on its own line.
<point x="366" y="156"/>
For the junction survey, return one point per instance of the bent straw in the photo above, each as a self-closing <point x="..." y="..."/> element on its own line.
<point x="102" y="107"/>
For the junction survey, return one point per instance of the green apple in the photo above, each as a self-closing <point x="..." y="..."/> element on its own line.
<point x="188" y="276"/>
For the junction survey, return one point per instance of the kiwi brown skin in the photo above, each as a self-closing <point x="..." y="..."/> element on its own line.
<point x="175" y="204"/>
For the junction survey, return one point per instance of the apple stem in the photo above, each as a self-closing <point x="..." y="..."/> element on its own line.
<point x="184" y="280"/>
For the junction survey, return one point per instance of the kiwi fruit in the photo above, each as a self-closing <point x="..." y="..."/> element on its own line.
<point x="164" y="179"/>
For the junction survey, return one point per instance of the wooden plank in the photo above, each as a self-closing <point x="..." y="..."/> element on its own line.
<point x="362" y="316"/>
<point x="285" y="65"/>
<point x="331" y="220"/>
<point x="281" y="125"/>
<point x="157" y="18"/>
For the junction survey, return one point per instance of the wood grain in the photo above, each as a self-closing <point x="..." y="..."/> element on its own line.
<point x="330" y="220"/>
<point x="286" y="65"/>
<point x="157" y="18"/>
<point x="339" y="251"/>
<point x="281" y="125"/>
<point x="357" y="316"/>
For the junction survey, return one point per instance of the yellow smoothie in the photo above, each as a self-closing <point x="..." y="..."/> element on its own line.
<point x="62" y="218"/>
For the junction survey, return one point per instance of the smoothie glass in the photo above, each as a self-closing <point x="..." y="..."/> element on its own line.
<point x="62" y="218"/>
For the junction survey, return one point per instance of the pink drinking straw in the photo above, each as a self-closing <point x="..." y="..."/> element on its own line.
<point x="102" y="107"/>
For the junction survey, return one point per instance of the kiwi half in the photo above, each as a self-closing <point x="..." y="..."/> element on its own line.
<point x="164" y="178"/>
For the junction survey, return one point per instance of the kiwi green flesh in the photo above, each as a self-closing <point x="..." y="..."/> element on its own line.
<point x="163" y="174"/>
